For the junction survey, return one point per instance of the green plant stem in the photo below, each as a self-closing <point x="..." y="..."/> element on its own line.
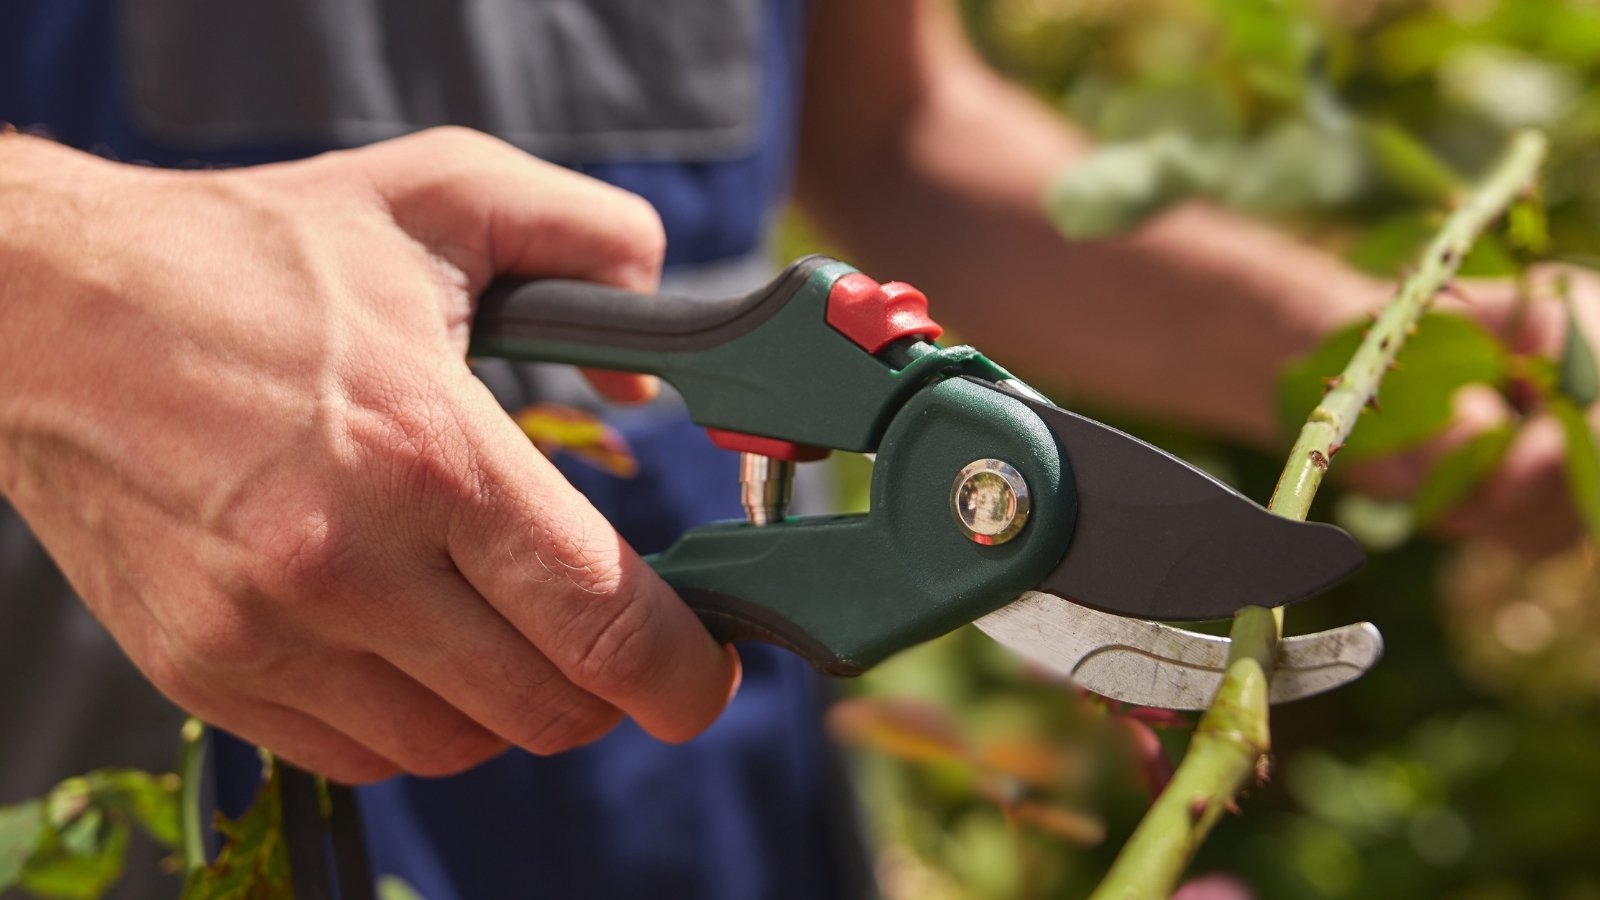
<point x="1233" y="737"/>
<point x="191" y="769"/>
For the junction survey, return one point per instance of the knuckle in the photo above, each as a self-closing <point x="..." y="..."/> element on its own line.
<point x="222" y="637"/>
<point x="418" y="448"/>
<point x="344" y="768"/>
<point x="567" y="725"/>
<point x="571" y="553"/>
<point x="466" y="747"/>
<point x="616" y="657"/>
<point x="457" y="137"/>
<point x="301" y="553"/>
<point x="409" y="438"/>
<point x="646" y="235"/>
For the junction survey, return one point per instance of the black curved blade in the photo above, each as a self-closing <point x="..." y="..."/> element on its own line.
<point x="1159" y="539"/>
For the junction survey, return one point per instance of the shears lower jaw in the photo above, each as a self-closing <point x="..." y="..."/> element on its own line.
<point x="1151" y="664"/>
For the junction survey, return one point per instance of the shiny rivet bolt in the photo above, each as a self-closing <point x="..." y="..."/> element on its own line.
<point x="990" y="501"/>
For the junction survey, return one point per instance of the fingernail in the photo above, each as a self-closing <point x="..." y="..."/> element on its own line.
<point x="738" y="672"/>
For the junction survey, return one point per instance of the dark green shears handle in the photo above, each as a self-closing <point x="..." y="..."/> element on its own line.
<point x="842" y="591"/>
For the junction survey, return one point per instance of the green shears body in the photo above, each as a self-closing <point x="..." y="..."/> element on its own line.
<point x="793" y="365"/>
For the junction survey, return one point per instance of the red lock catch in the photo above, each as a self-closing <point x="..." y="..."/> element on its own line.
<point x="876" y="315"/>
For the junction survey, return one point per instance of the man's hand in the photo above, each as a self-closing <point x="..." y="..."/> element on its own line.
<point x="234" y="407"/>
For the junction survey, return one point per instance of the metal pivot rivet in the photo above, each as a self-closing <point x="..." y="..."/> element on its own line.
<point x="990" y="501"/>
<point x="765" y="487"/>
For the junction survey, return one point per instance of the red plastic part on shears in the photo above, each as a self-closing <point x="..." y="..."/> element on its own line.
<point x="876" y="315"/>
<point x="765" y="446"/>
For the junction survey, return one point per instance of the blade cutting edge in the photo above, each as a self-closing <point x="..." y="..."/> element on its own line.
<point x="1151" y="664"/>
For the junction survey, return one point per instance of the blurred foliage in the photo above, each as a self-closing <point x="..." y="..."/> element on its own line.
<point x="1465" y="766"/>
<point x="73" y="842"/>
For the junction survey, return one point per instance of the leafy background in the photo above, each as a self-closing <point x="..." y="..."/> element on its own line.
<point x="1468" y="764"/>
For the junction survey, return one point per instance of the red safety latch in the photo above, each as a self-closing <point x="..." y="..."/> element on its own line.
<point x="876" y="315"/>
<point x="766" y="446"/>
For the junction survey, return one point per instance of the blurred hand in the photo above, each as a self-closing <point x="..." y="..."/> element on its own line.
<point x="234" y="407"/>
<point x="1526" y="504"/>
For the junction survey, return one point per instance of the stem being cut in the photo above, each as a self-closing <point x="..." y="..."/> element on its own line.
<point x="1233" y="736"/>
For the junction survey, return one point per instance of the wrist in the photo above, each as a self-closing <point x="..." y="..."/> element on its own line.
<point x="48" y="195"/>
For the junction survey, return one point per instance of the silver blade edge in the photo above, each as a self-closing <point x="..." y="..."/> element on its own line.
<point x="1150" y="664"/>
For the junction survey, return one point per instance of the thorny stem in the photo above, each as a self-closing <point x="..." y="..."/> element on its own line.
<point x="1233" y="737"/>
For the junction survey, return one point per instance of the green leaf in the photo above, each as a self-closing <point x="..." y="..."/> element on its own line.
<point x="1408" y="165"/>
<point x="1379" y="525"/>
<point x="1458" y="473"/>
<point x="1391" y="244"/>
<point x="73" y="842"/>
<point x="22" y="828"/>
<point x="1578" y="379"/>
<point x="82" y="835"/>
<point x="1415" y="400"/>
<point x="1201" y="108"/>
<point x="81" y="862"/>
<point x="393" y="887"/>
<point x="1582" y="463"/>
<point x="1488" y="258"/>
<point x="1527" y="228"/>
<point x="150" y="801"/>
<point x="1299" y="164"/>
<point x="1118" y="186"/>
<point x="254" y="863"/>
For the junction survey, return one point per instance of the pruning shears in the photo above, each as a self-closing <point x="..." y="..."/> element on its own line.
<point x="1064" y="539"/>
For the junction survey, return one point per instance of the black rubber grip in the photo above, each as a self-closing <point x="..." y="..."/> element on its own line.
<point x="588" y="313"/>
<point x="304" y="834"/>
<point x="730" y="619"/>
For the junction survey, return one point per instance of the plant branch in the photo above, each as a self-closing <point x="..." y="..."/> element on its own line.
<point x="1231" y="742"/>
<point x="192" y="770"/>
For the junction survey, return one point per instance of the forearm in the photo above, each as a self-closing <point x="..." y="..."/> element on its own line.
<point x="1189" y="319"/>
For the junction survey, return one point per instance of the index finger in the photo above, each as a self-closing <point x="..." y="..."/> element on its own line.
<point x="561" y="575"/>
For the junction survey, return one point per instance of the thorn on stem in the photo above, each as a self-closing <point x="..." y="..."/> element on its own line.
<point x="1392" y="365"/>
<point x="1372" y="404"/>
<point x="1263" y="769"/>
<point x="1333" y="450"/>
<point x="1332" y="381"/>
<point x="1197" y="808"/>
<point x="1383" y="344"/>
<point x="1233" y="807"/>
<point x="1318" y="460"/>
